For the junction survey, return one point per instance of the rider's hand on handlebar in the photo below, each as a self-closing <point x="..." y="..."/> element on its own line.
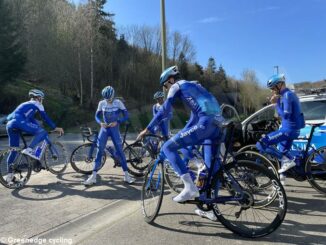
<point x="141" y="134"/>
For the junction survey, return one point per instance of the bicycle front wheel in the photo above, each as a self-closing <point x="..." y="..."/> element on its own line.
<point x="152" y="191"/>
<point x="55" y="158"/>
<point x="241" y="215"/>
<point x="315" y="168"/>
<point x="83" y="157"/>
<point x="21" y="169"/>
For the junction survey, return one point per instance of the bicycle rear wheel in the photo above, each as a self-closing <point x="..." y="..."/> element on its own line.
<point x="21" y="168"/>
<point x="138" y="157"/>
<point x="315" y="168"/>
<point x="152" y="191"/>
<point x="243" y="216"/>
<point x="55" y="158"/>
<point x="82" y="158"/>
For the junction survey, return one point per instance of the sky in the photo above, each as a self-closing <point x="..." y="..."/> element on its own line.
<point x="242" y="34"/>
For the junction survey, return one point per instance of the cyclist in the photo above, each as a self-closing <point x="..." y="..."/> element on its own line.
<point x="204" y="124"/>
<point x="292" y="120"/>
<point x="163" y="127"/>
<point x="109" y="114"/>
<point x="22" y="118"/>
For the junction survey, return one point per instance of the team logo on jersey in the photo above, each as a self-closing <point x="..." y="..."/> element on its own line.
<point x="188" y="132"/>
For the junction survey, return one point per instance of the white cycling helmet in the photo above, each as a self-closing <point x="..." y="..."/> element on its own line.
<point x="36" y="93"/>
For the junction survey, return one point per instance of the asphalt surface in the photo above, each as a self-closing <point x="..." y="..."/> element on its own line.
<point x="60" y="210"/>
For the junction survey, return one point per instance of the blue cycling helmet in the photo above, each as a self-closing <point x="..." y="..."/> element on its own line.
<point x="36" y="93"/>
<point x="108" y="93"/>
<point x="171" y="71"/>
<point x="274" y="80"/>
<point x="158" y="94"/>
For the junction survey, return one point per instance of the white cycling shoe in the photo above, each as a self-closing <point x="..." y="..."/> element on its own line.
<point x="209" y="214"/>
<point x="10" y="178"/>
<point x="286" y="165"/>
<point x="189" y="192"/>
<point x="29" y="152"/>
<point x="128" y="179"/>
<point x="91" y="180"/>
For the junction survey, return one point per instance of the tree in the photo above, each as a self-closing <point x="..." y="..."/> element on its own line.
<point x="221" y="77"/>
<point x="12" y="51"/>
<point x="183" y="66"/>
<point x="211" y="66"/>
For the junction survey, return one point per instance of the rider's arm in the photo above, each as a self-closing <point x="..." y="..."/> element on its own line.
<point x="279" y="109"/>
<point x="45" y="117"/>
<point x="154" y="110"/>
<point x="166" y="109"/>
<point x="98" y="113"/>
<point x="125" y="116"/>
<point x="123" y="111"/>
<point x="288" y="104"/>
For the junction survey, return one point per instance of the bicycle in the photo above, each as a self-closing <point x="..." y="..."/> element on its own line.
<point x="52" y="157"/>
<point x="83" y="156"/>
<point x="310" y="162"/>
<point x="231" y="192"/>
<point x="196" y="162"/>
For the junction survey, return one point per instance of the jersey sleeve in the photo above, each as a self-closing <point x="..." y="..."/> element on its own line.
<point x="98" y="113"/>
<point x="47" y="119"/>
<point x="288" y="105"/>
<point x="154" y="110"/>
<point x="124" y="112"/>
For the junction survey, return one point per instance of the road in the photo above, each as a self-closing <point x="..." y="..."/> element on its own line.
<point x="60" y="210"/>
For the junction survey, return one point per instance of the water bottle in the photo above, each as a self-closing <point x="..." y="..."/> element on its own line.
<point x="201" y="179"/>
<point x="197" y="159"/>
<point x="192" y="174"/>
<point x="38" y="152"/>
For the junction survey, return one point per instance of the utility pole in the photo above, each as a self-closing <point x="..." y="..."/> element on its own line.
<point x="276" y="69"/>
<point x="163" y="35"/>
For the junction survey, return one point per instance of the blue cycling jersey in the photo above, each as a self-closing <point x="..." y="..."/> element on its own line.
<point x="111" y="112"/>
<point x="27" y="110"/>
<point x="289" y="109"/>
<point x="197" y="98"/>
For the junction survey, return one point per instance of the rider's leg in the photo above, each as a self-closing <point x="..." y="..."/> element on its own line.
<point x="196" y="134"/>
<point x="265" y="144"/>
<point x="117" y="142"/>
<point x="13" y="136"/>
<point x="101" y="143"/>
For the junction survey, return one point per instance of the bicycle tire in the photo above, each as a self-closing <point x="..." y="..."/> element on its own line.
<point x="79" y="158"/>
<point x="248" y="148"/>
<point x="138" y="157"/>
<point x="244" y="173"/>
<point x="148" y="192"/>
<point x="315" y="168"/>
<point x="56" y="162"/>
<point x="274" y="160"/>
<point x="20" y="178"/>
